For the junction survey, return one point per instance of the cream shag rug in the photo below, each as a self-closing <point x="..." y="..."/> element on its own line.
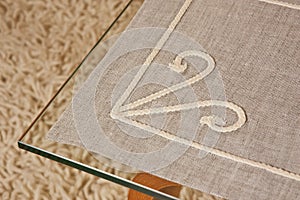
<point x="41" y="42"/>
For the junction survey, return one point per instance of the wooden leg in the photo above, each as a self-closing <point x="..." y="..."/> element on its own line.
<point x="155" y="183"/>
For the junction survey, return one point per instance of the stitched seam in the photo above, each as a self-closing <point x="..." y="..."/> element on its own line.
<point x="282" y="3"/>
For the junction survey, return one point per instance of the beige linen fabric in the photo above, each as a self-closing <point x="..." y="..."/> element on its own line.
<point x="256" y="48"/>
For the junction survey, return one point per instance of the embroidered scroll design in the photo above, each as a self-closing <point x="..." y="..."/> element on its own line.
<point x="210" y="67"/>
<point x="210" y="121"/>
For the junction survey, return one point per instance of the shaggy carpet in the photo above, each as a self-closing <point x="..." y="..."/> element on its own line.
<point x="41" y="42"/>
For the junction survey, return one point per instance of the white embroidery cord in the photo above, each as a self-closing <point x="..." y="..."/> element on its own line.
<point x="210" y="121"/>
<point x="282" y="3"/>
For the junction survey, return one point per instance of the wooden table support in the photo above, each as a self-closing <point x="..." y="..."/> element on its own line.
<point x="156" y="183"/>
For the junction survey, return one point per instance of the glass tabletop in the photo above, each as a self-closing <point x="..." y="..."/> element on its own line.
<point x="73" y="154"/>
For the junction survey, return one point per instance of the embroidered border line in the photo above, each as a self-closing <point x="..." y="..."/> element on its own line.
<point x="151" y="57"/>
<point x="282" y="3"/>
<point x="217" y="152"/>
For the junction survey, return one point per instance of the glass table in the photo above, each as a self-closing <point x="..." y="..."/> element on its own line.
<point x="35" y="139"/>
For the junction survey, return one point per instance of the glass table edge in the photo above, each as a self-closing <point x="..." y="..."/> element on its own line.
<point x="94" y="171"/>
<point x="78" y="165"/>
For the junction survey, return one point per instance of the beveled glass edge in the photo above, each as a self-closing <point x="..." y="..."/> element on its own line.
<point x="78" y="165"/>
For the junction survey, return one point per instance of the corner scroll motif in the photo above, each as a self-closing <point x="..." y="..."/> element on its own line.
<point x="123" y="112"/>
